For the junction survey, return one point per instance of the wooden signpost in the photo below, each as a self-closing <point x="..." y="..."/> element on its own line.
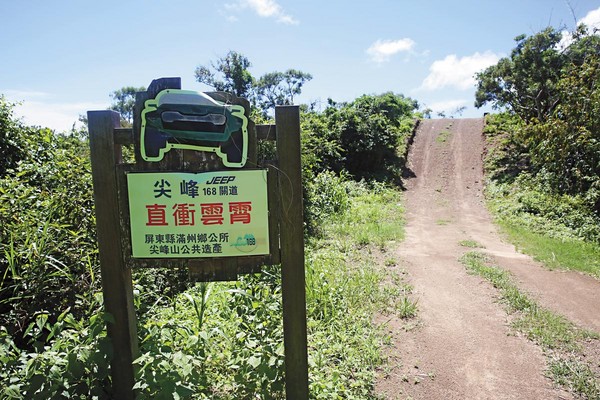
<point x="175" y="148"/>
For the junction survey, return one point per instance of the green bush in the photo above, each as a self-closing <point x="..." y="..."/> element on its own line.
<point x="321" y="147"/>
<point x="225" y="340"/>
<point x="372" y="129"/>
<point x="224" y="343"/>
<point x="521" y="192"/>
<point x="553" y="91"/>
<point x="48" y="254"/>
<point x="221" y="340"/>
<point x="325" y="196"/>
<point x="70" y="360"/>
<point x="364" y="138"/>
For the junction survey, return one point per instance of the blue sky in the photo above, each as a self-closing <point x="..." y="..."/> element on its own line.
<point x="64" y="57"/>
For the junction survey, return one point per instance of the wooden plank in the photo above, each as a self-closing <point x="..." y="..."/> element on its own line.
<point x="123" y="136"/>
<point x="274" y="212"/>
<point x="266" y="132"/>
<point x="116" y="279"/>
<point x="292" y="252"/>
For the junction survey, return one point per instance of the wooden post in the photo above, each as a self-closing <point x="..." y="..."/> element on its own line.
<point x="287" y="120"/>
<point x="116" y="278"/>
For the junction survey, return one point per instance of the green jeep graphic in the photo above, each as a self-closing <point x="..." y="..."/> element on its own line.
<point x="184" y="119"/>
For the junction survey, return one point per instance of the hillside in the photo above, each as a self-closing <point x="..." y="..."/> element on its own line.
<point x="463" y="346"/>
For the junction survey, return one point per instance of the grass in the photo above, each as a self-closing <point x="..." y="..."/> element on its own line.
<point x="561" y="340"/>
<point x="443" y="136"/>
<point x="374" y="217"/>
<point x="390" y="262"/>
<point x="560" y="230"/>
<point x="407" y="308"/>
<point x="471" y="244"/>
<point x="556" y="253"/>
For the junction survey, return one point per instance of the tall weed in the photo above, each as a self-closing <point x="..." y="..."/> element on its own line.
<point x="227" y="343"/>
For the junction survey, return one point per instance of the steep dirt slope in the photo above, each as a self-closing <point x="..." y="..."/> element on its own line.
<point x="464" y="348"/>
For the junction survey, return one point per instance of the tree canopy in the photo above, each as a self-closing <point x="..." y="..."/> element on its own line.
<point x="551" y="82"/>
<point x="228" y="74"/>
<point x="231" y="74"/>
<point x="123" y="102"/>
<point x="526" y="82"/>
<point x="279" y="88"/>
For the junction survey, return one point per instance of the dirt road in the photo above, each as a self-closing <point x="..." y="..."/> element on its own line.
<point x="463" y="347"/>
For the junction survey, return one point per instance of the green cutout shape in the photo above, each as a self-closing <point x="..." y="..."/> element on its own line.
<point x="189" y="120"/>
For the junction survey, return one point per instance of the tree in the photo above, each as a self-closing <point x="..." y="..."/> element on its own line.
<point x="231" y="74"/>
<point x="279" y="88"/>
<point x="124" y="101"/>
<point x="567" y="145"/>
<point x="525" y="82"/>
<point x="551" y="83"/>
<point x="371" y="128"/>
<point x="228" y="74"/>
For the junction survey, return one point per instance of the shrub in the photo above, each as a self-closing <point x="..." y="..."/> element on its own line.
<point x="48" y="255"/>
<point x="523" y="189"/>
<point x="371" y="133"/>
<point x="326" y="195"/>
<point x="71" y="359"/>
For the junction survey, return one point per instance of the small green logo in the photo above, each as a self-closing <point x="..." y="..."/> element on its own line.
<point x="245" y="244"/>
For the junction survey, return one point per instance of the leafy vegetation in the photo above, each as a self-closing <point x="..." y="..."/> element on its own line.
<point x="542" y="163"/>
<point x="123" y="103"/>
<point x="470" y="243"/>
<point x="528" y="81"/>
<point x="365" y="138"/>
<point x="231" y="73"/>
<point x="550" y="82"/>
<point x="543" y="175"/>
<point x="219" y="340"/>
<point x="562" y="341"/>
<point x="560" y="229"/>
<point x="234" y="348"/>
<point x="569" y="254"/>
<point x="48" y="253"/>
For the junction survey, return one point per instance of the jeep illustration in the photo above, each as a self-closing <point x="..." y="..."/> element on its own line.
<point x="184" y="119"/>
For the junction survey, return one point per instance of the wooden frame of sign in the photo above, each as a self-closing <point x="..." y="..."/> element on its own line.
<point x="109" y="171"/>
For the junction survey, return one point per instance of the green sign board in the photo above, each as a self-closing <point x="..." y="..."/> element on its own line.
<point x="198" y="215"/>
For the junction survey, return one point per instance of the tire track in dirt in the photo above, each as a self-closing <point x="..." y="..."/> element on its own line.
<point x="463" y="347"/>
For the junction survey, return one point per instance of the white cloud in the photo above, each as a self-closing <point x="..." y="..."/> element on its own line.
<point x="382" y="50"/>
<point x="592" y="19"/>
<point x="457" y="72"/>
<point x="24" y="94"/>
<point x="448" y="106"/>
<point x="265" y="9"/>
<point x="37" y="108"/>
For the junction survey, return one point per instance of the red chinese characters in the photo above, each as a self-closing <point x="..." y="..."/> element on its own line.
<point x="157" y="215"/>
<point x="184" y="214"/>
<point x="212" y="213"/>
<point x="240" y="212"/>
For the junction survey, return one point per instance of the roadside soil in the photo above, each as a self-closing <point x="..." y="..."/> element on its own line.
<point x="462" y="346"/>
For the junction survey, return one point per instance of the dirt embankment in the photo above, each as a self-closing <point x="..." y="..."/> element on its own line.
<point x="463" y="347"/>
